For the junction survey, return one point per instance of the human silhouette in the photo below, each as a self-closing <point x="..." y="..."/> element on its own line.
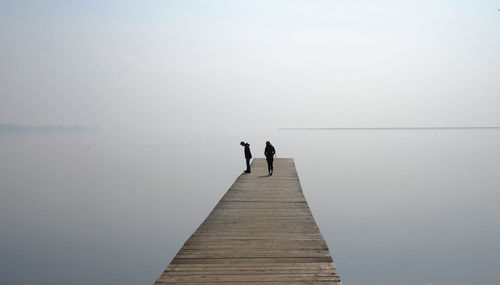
<point x="248" y="155"/>
<point x="269" y="153"/>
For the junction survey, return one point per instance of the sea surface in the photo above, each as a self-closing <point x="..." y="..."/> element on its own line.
<point x="412" y="207"/>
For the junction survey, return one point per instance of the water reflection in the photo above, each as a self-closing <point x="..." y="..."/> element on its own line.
<point x="405" y="207"/>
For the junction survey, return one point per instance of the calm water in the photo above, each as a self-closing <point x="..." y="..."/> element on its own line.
<point x="396" y="207"/>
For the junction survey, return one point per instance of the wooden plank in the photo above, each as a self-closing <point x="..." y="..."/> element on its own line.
<point x="261" y="232"/>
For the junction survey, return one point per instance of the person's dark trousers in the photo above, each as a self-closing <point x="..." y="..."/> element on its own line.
<point x="248" y="165"/>
<point x="270" y="164"/>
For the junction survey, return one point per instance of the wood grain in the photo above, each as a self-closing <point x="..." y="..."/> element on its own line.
<point x="261" y="232"/>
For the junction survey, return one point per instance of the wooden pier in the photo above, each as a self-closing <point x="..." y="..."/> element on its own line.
<point x="260" y="232"/>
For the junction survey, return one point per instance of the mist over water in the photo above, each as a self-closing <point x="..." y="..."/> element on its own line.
<point x="194" y="78"/>
<point x="405" y="207"/>
<point x="101" y="208"/>
<point x="109" y="207"/>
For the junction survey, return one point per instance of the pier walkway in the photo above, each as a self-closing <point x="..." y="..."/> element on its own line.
<point x="260" y="232"/>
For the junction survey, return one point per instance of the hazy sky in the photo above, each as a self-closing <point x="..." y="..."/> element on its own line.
<point x="418" y="206"/>
<point x="161" y="65"/>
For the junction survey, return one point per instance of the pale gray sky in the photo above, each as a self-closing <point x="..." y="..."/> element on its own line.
<point x="396" y="207"/>
<point x="161" y="65"/>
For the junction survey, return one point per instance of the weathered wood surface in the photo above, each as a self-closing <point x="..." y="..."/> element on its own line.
<point x="260" y="232"/>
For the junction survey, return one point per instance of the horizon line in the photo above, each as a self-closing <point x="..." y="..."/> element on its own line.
<point x="393" y="128"/>
<point x="15" y="127"/>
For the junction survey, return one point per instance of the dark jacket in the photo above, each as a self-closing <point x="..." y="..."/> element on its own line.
<point x="248" y="154"/>
<point x="269" y="151"/>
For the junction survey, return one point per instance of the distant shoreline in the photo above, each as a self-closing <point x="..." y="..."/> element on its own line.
<point x="389" y="128"/>
<point x="24" y="128"/>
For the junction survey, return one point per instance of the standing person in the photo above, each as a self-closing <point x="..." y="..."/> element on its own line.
<point x="269" y="153"/>
<point x="248" y="155"/>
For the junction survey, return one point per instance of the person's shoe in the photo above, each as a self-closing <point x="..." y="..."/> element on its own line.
<point x="246" y="171"/>
<point x="271" y="174"/>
